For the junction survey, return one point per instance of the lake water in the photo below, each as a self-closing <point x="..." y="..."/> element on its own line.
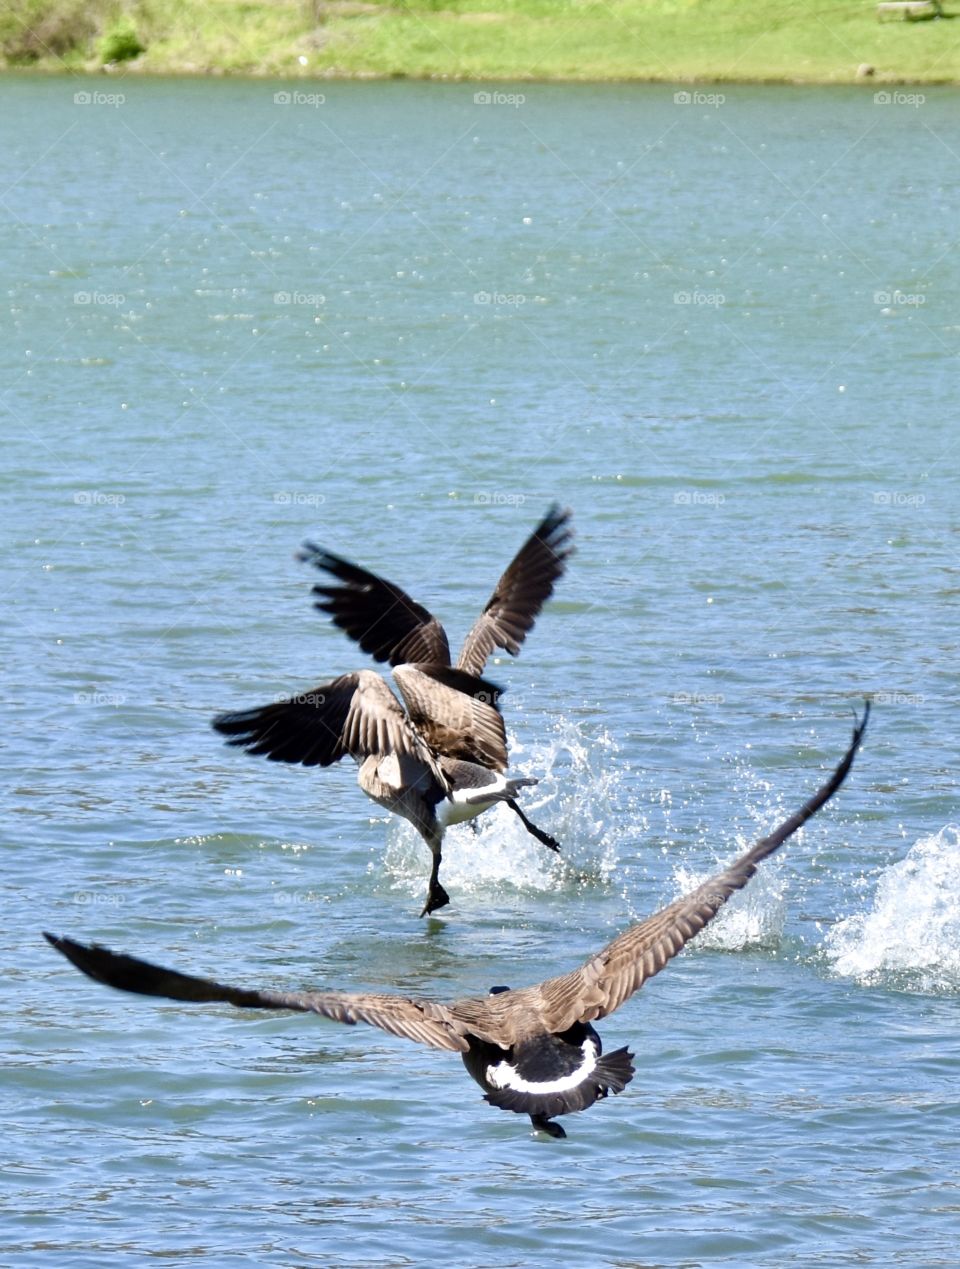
<point x="400" y="322"/>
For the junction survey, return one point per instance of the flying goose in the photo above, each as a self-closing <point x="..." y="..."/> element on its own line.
<point x="447" y="749"/>
<point x="532" y="1050"/>
<point x="392" y="627"/>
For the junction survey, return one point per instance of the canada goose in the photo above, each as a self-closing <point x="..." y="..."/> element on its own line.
<point x="449" y="748"/>
<point x="532" y="1050"/>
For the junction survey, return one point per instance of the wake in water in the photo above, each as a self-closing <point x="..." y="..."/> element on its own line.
<point x="911" y="938"/>
<point x="581" y="799"/>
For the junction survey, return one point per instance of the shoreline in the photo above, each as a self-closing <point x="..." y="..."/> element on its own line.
<point x="332" y="76"/>
<point x="708" y="42"/>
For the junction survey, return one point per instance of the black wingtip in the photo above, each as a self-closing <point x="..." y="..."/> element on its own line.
<point x="556" y="533"/>
<point x="308" y="553"/>
<point x="75" y="952"/>
<point x="843" y="770"/>
<point x="241" y="726"/>
<point x="67" y="947"/>
<point x="83" y="956"/>
<point x="859" y="728"/>
<point x="227" y="725"/>
<point x="321" y="558"/>
<point x="557" y="513"/>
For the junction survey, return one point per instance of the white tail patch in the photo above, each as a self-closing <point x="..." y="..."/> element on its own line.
<point x="465" y="804"/>
<point x="503" y="1075"/>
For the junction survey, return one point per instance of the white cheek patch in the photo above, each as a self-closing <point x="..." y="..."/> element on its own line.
<point x="505" y="1076"/>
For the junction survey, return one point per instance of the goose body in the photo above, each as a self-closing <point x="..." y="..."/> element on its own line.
<point x="533" y="1050"/>
<point x="440" y="757"/>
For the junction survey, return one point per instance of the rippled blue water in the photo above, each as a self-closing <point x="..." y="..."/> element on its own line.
<point x="401" y="323"/>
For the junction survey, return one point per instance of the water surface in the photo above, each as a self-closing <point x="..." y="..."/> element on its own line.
<point x="401" y="322"/>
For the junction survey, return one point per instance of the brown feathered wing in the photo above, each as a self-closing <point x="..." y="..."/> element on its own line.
<point x="355" y="714"/>
<point x="601" y="985"/>
<point x="375" y="613"/>
<point x="520" y="593"/>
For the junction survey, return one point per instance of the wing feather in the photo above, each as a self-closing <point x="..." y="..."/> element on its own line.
<point x="624" y="965"/>
<point x="594" y="990"/>
<point x="355" y="714"/>
<point x="381" y="617"/>
<point x="456" y="713"/>
<point x="420" y="1020"/>
<point x="520" y="593"/>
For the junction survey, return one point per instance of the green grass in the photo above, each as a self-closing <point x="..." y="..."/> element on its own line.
<point x="672" y="40"/>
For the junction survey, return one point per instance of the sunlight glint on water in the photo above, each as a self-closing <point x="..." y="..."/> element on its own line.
<point x="757" y="551"/>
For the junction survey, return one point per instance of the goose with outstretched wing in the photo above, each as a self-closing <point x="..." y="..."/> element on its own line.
<point x="440" y="757"/>
<point x="390" y="626"/>
<point x="532" y="1050"/>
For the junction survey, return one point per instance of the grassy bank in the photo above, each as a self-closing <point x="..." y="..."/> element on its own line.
<point x="715" y="40"/>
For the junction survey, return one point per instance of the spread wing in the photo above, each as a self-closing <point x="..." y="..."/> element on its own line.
<point x="456" y="713"/>
<point x="382" y="618"/>
<point x="355" y="714"/>
<point x="419" y="1020"/>
<point x="520" y="593"/>
<point x="614" y="974"/>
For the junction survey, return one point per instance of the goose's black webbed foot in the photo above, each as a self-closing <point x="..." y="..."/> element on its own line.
<point x="549" y="1126"/>
<point x="436" y="898"/>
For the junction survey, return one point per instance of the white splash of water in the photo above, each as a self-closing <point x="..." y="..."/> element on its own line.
<point x="752" y="917"/>
<point x="911" y="937"/>
<point x="580" y="800"/>
<point x="755" y="916"/>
